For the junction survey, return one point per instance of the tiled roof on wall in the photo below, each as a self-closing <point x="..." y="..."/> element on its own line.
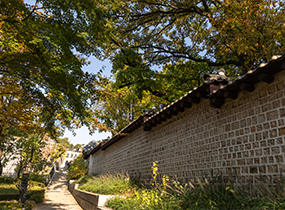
<point x="265" y="72"/>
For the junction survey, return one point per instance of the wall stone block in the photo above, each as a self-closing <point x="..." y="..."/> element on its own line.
<point x="262" y="93"/>
<point x="280" y="122"/>
<point x="272" y="169"/>
<point x="271" y="159"/>
<point x="280" y="85"/>
<point x="282" y="112"/>
<point x="266" y="107"/>
<point x="281" y="131"/>
<point x="261" y="118"/>
<point x="262" y="169"/>
<point x="273" y="124"/>
<point x="256" y="161"/>
<point x="275" y="150"/>
<point x="264" y="160"/>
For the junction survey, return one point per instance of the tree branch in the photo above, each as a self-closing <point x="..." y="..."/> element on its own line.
<point x="179" y="54"/>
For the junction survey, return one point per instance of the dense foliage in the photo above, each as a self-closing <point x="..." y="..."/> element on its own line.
<point x="161" y="49"/>
<point x="218" y="33"/>
<point x="43" y="48"/>
<point x="78" y="168"/>
<point x="42" y="53"/>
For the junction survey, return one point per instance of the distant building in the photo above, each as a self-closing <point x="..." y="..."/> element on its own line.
<point x="71" y="155"/>
<point x="9" y="169"/>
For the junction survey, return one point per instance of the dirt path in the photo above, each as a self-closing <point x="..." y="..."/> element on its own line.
<point x="57" y="195"/>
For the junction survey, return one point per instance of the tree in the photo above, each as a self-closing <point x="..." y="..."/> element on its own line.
<point x="77" y="147"/>
<point x="42" y="47"/>
<point x="161" y="49"/>
<point x="218" y="33"/>
<point x="26" y="148"/>
<point x="118" y="104"/>
<point x="64" y="142"/>
<point x="42" y="50"/>
<point x="15" y="115"/>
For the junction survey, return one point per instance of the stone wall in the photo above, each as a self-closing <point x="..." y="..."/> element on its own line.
<point x="245" y="137"/>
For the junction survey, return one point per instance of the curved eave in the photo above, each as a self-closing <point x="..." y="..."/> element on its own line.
<point x="246" y="82"/>
<point x="217" y="98"/>
<point x="192" y="97"/>
<point x="128" y="129"/>
<point x="98" y="147"/>
<point x="86" y="155"/>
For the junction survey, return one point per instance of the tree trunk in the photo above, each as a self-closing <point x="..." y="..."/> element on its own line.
<point x="0" y="148"/>
<point x="28" y="165"/>
<point x="1" y="136"/>
<point x="1" y="168"/>
<point x="20" y="169"/>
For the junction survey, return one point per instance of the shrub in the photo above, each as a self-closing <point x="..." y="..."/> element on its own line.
<point x="7" y="205"/>
<point x="9" y="192"/>
<point x="36" y="191"/>
<point x="30" y="205"/>
<point x="7" y="180"/>
<point x="37" y="184"/>
<point x="9" y="197"/>
<point x="78" y="168"/>
<point x="37" y="178"/>
<point x="38" y="197"/>
<point x="151" y="199"/>
<point x="200" y="194"/>
<point x="84" y="179"/>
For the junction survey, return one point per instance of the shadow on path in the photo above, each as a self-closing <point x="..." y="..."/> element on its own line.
<point x="57" y="195"/>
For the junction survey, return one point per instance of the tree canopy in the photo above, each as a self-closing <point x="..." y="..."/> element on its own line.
<point x="218" y="33"/>
<point x="161" y="49"/>
<point x="43" y="48"/>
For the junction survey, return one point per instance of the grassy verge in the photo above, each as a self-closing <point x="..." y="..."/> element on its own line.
<point x="197" y="194"/>
<point x="116" y="184"/>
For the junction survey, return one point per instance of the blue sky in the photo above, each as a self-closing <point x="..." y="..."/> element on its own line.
<point x="82" y="134"/>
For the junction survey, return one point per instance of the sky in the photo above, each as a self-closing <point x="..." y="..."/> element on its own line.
<point x="82" y="135"/>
